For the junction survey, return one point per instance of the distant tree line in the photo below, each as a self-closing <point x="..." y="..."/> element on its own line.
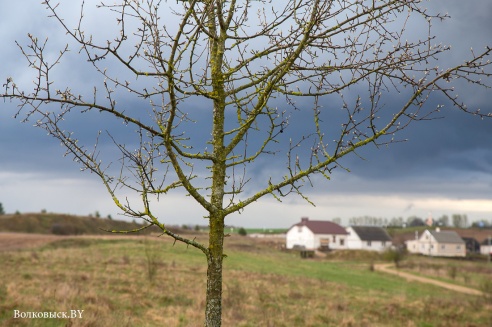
<point x="482" y="224"/>
<point x="456" y="220"/>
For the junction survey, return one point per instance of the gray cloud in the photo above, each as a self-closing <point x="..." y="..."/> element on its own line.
<point x="449" y="157"/>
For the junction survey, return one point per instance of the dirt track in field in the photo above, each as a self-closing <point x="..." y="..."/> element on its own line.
<point x="387" y="268"/>
<point x="18" y="241"/>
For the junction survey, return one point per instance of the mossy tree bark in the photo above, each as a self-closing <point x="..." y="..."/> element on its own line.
<point x="213" y="309"/>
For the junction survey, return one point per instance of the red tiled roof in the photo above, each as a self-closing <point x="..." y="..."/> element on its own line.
<point x="322" y="227"/>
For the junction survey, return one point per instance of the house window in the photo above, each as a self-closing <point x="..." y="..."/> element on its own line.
<point x="383" y="243"/>
<point x="342" y="242"/>
<point x="443" y="246"/>
<point x="458" y="247"/>
<point x="368" y="243"/>
<point x="299" y="229"/>
<point x="432" y="246"/>
<point x="334" y="238"/>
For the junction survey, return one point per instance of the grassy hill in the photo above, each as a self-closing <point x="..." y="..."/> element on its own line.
<point x="151" y="281"/>
<point x="62" y="224"/>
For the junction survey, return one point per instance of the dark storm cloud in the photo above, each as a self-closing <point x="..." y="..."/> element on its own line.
<point x="451" y="156"/>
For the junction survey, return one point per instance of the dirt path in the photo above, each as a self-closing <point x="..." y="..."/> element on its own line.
<point x="387" y="268"/>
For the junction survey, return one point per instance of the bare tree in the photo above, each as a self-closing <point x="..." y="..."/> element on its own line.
<point x="257" y="66"/>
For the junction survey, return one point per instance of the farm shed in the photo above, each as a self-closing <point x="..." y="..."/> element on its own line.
<point x="370" y="238"/>
<point x="438" y="243"/>
<point x="316" y="234"/>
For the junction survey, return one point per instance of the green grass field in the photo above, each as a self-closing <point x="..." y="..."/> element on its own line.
<point x="144" y="281"/>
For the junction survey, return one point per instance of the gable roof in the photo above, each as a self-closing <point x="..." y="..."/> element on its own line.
<point x="447" y="236"/>
<point x="322" y="227"/>
<point x="371" y="233"/>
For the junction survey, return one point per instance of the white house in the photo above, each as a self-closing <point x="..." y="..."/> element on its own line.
<point x="370" y="238"/>
<point x="486" y="247"/>
<point x="438" y="243"/>
<point x="315" y="234"/>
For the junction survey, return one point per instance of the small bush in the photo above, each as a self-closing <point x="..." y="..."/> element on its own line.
<point x="394" y="255"/>
<point x="242" y="231"/>
<point x="452" y="272"/>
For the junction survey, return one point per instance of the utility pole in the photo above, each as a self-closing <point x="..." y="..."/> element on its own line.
<point x="490" y="250"/>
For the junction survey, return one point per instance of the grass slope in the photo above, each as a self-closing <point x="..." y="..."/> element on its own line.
<point x="151" y="282"/>
<point x="50" y="223"/>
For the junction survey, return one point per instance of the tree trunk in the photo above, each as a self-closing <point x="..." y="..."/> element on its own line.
<point x="213" y="309"/>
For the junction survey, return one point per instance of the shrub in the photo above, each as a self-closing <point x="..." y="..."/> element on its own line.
<point x="452" y="272"/>
<point x="394" y="255"/>
<point x="242" y="231"/>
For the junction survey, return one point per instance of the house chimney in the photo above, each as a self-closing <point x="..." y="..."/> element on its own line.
<point x="304" y="219"/>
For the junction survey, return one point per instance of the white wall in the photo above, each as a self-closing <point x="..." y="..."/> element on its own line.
<point x="427" y="245"/>
<point x="451" y="250"/>
<point x="302" y="236"/>
<point x="353" y="240"/>
<point x="335" y="242"/>
<point x="355" y="243"/>
<point x="413" y="246"/>
<point x="485" y="249"/>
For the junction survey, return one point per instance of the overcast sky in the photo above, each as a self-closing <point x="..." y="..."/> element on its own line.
<point x="445" y="167"/>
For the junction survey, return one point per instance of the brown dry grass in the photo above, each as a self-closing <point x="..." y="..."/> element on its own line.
<point x="464" y="273"/>
<point x="108" y="278"/>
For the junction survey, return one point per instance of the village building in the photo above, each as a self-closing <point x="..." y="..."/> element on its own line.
<point x="486" y="247"/>
<point x="370" y="238"/>
<point x="438" y="243"/>
<point x="316" y="234"/>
